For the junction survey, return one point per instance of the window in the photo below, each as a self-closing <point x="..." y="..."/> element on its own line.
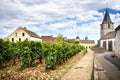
<point x="101" y="26"/>
<point x="27" y="39"/>
<point x="108" y="25"/>
<point x="12" y="39"/>
<point x="19" y="39"/>
<point x="16" y="34"/>
<point x="23" y="34"/>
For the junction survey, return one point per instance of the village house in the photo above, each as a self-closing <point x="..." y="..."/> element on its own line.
<point x="21" y="34"/>
<point x="52" y="39"/>
<point x="86" y="42"/>
<point x="77" y="38"/>
<point x="107" y="33"/>
<point x="117" y="42"/>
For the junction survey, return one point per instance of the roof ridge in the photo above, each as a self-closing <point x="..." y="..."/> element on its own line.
<point x="31" y="33"/>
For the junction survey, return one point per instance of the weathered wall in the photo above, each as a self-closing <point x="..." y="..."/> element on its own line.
<point x="105" y="29"/>
<point x="117" y="44"/>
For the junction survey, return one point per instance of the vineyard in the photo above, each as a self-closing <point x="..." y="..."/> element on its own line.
<point x="31" y="53"/>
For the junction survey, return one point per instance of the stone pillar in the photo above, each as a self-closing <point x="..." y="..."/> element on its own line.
<point x="107" y="45"/>
<point x="113" y="45"/>
<point x="101" y="43"/>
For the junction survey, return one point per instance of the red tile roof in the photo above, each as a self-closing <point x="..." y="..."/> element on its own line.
<point x="47" y="38"/>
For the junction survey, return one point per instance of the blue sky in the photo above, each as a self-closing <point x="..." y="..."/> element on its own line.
<point x="52" y="17"/>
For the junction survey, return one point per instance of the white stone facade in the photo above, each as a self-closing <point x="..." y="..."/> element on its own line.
<point x="105" y="44"/>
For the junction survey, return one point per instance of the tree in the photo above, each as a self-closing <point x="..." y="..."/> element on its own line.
<point x="59" y="38"/>
<point x="86" y="38"/>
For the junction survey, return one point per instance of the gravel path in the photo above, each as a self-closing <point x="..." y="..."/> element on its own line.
<point x="82" y="70"/>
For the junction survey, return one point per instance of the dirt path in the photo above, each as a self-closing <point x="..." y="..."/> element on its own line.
<point x="82" y="70"/>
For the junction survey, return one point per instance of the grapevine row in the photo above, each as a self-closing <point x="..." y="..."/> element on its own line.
<point x="31" y="51"/>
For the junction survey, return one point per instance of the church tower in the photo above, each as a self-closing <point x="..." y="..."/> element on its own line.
<point x="107" y="25"/>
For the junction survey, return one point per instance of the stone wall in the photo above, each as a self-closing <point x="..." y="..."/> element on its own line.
<point x="117" y="44"/>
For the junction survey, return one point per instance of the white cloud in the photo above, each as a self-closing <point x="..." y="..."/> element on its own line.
<point x="35" y="14"/>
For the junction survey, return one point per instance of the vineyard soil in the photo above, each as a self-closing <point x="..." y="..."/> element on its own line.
<point x="39" y="72"/>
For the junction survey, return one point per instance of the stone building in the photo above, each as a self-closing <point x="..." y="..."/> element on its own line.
<point x="117" y="42"/>
<point x="107" y="33"/>
<point x="86" y="42"/>
<point x="21" y="34"/>
<point x="48" y="38"/>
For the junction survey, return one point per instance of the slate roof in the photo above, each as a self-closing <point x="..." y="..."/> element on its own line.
<point x="109" y="35"/>
<point x="117" y="28"/>
<point x="32" y="34"/>
<point x="106" y="18"/>
<point x="87" y="41"/>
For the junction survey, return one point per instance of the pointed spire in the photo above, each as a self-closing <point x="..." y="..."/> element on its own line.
<point x="107" y="17"/>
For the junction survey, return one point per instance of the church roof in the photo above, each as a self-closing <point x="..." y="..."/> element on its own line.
<point x="109" y="35"/>
<point x="107" y="18"/>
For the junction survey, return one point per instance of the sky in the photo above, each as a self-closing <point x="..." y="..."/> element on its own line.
<point x="70" y="18"/>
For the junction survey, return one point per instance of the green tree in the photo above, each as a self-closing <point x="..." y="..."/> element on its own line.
<point x="59" y="38"/>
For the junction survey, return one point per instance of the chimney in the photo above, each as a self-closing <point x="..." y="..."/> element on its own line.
<point x="25" y="28"/>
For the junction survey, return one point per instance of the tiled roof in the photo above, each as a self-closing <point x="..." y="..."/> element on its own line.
<point x="32" y="34"/>
<point x="107" y="18"/>
<point x="87" y="41"/>
<point x="109" y="35"/>
<point x="47" y="38"/>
